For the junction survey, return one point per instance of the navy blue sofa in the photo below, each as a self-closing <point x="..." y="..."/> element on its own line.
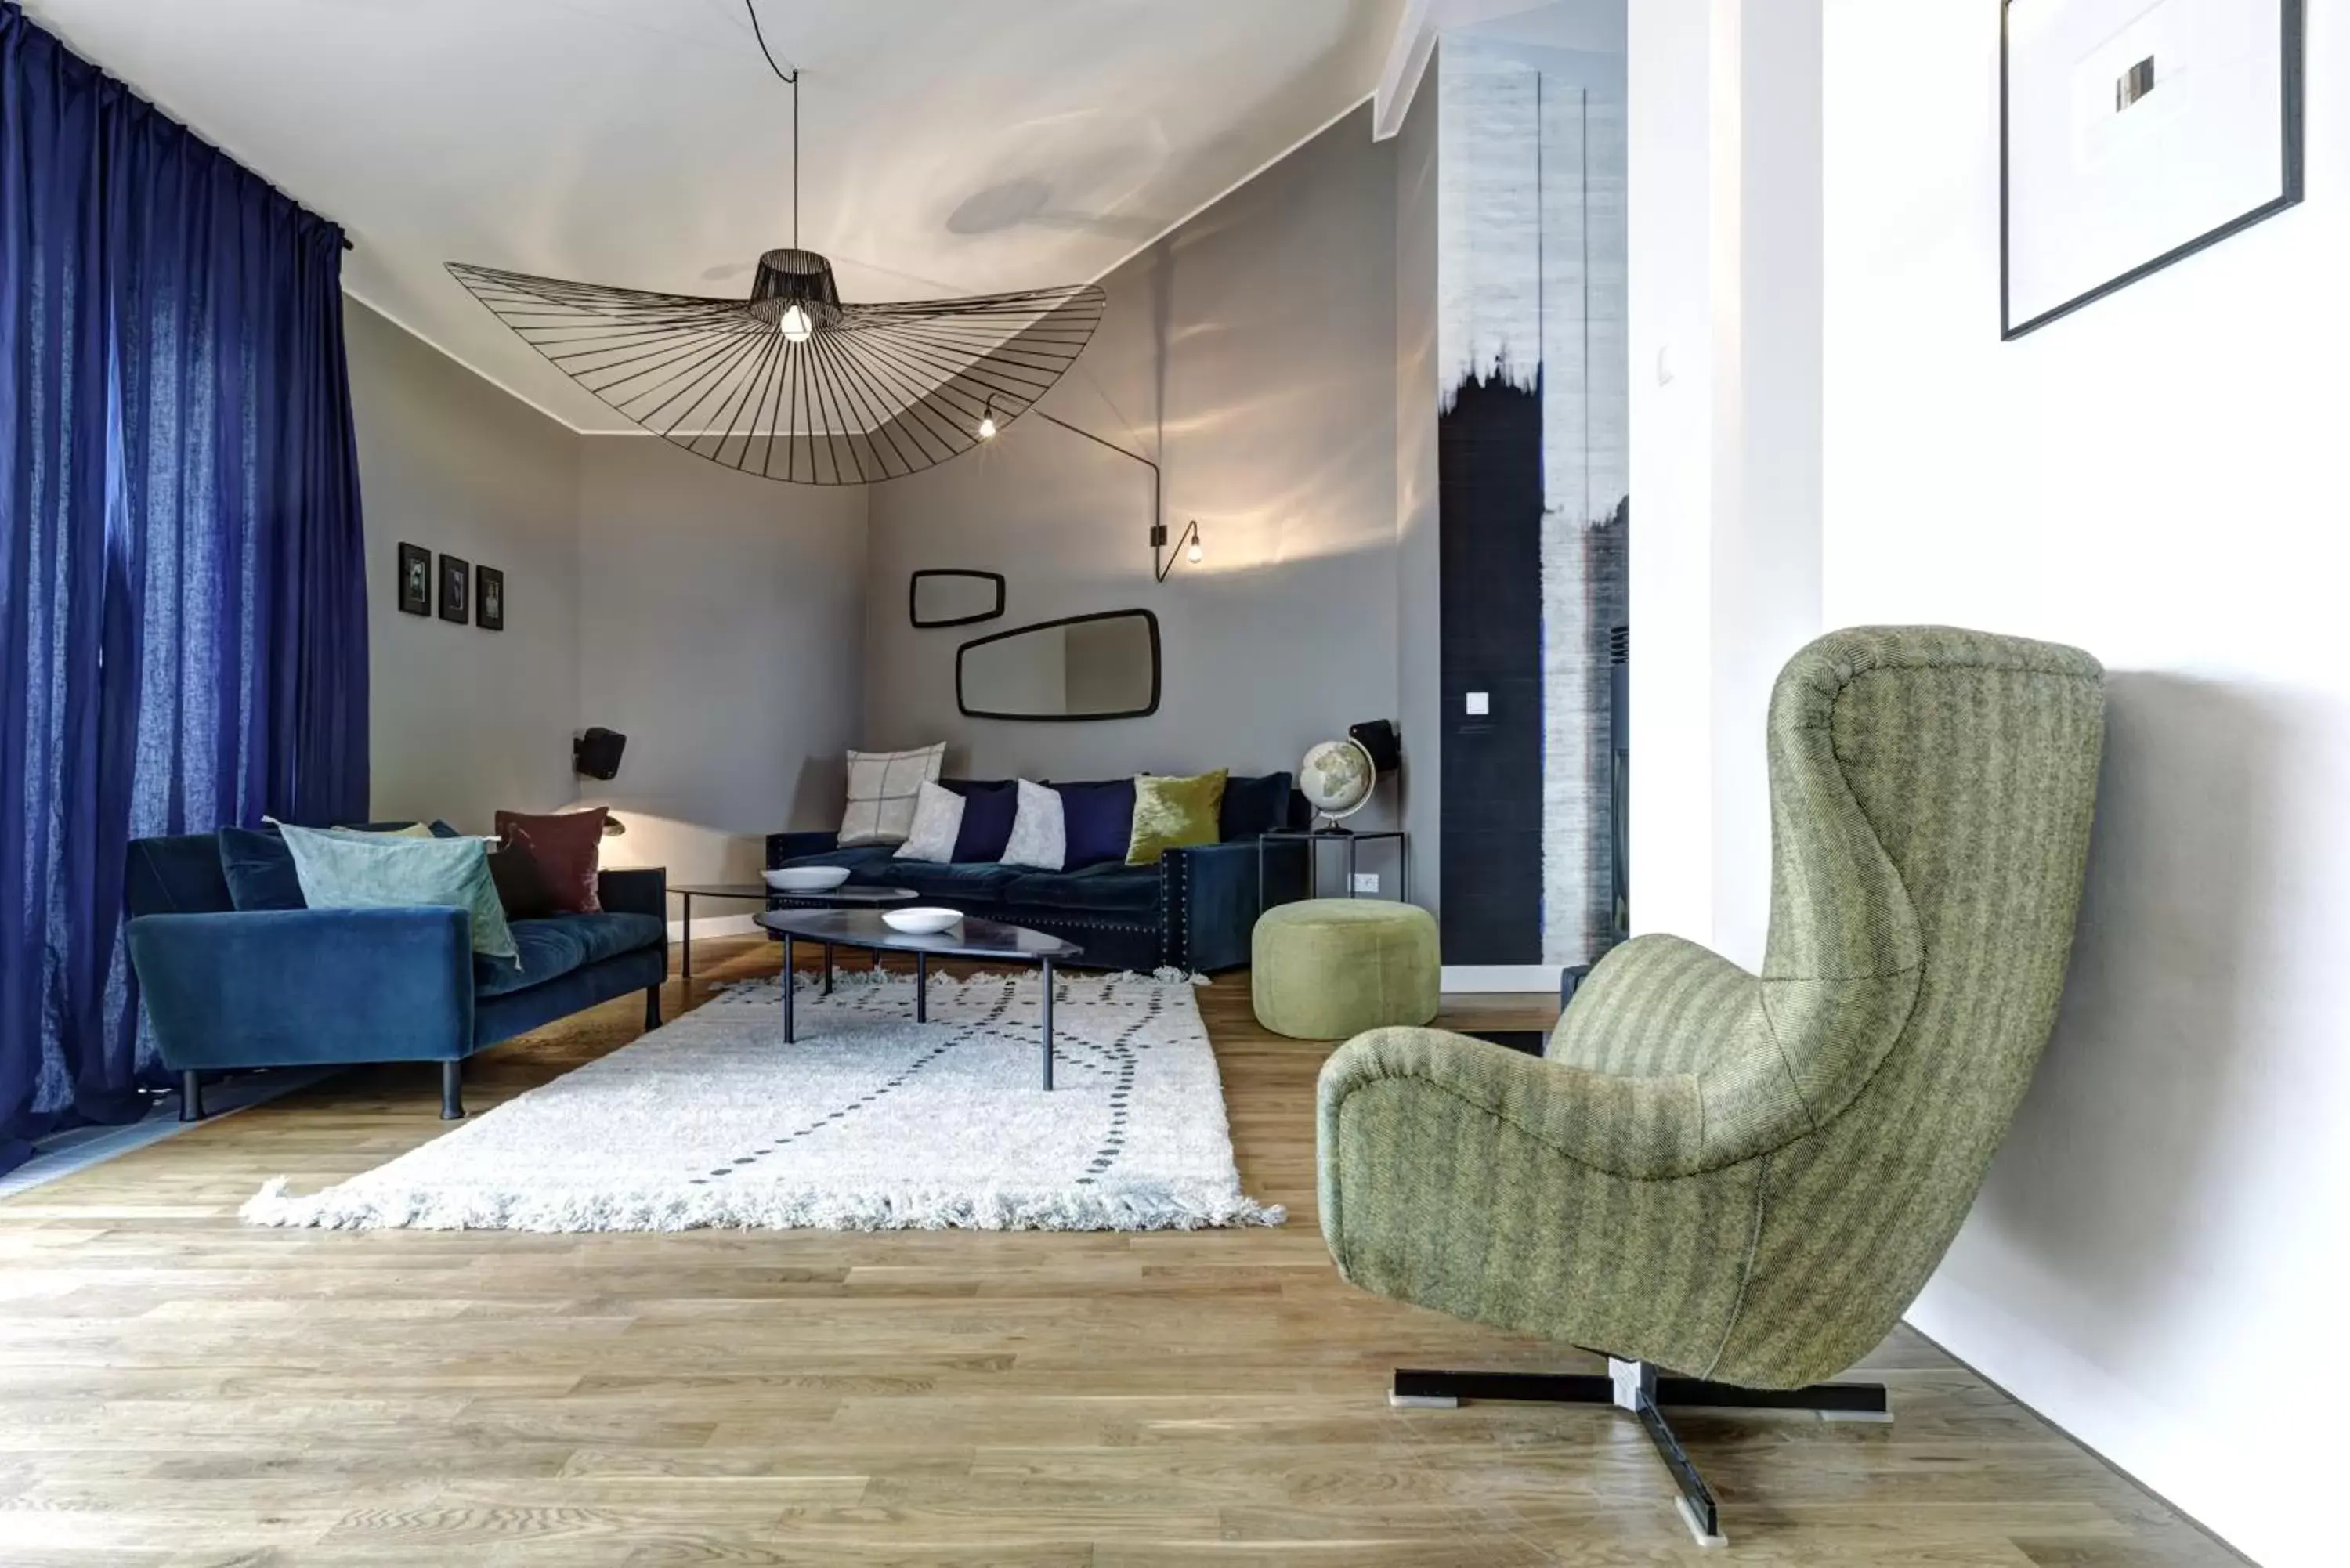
<point x="228" y="989"/>
<point x="1193" y="911"/>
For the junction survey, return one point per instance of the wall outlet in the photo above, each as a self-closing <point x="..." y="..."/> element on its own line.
<point x="1480" y="704"/>
<point x="1366" y="881"/>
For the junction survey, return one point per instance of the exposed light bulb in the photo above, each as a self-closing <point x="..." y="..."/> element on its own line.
<point x="987" y="427"/>
<point x="796" y="326"/>
<point x="1194" y="553"/>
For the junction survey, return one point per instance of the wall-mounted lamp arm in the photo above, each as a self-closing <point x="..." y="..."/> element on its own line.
<point x="1158" y="509"/>
<point x="1162" y="564"/>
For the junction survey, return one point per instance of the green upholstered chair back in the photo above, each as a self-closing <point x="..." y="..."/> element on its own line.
<point x="1931" y="790"/>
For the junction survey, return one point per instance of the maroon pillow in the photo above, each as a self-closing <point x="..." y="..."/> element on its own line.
<point x="565" y="846"/>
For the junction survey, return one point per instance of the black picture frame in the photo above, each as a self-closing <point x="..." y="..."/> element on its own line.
<point x="489" y="599"/>
<point x="914" y="597"/>
<point x="1157" y="671"/>
<point x="2293" y="137"/>
<point x="455" y="579"/>
<point x="415" y="581"/>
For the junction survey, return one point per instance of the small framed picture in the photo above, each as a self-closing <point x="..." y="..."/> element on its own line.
<point x="415" y="581"/>
<point x="455" y="578"/>
<point x="489" y="599"/>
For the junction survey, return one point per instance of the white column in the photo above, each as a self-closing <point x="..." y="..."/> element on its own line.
<point x="1726" y="395"/>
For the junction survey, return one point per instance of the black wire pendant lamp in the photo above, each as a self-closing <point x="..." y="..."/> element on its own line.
<point x="793" y="384"/>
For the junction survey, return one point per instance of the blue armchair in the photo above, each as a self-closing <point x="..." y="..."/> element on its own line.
<point x="228" y="989"/>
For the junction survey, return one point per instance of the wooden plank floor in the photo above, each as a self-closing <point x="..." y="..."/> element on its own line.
<point x="177" y="1389"/>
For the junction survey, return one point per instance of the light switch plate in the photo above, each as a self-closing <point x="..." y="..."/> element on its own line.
<point x="1366" y="881"/>
<point x="1480" y="704"/>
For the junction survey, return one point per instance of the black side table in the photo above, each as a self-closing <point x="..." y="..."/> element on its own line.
<point x="1312" y="841"/>
<point x="760" y="893"/>
<point x="749" y="892"/>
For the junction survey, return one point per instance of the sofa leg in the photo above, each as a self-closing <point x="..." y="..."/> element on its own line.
<point x="1638" y="1387"/>
<point x="192" y="1096"/>
<point x="452" y="1108"/>
<point x="652" y="1007"/>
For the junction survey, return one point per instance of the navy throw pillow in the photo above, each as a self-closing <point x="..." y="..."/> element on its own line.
<point x="1097" y="822"/>
<point x="259" y="870"/>
<point x="1253" y="806"/>
<point x="988" y="808"/>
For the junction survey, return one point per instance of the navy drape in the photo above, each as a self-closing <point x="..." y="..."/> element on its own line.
<point x="182" y="604"/>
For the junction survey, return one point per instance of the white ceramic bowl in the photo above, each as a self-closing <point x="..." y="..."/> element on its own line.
<point x="807" y="878"/>
<point x="921" y="922"/>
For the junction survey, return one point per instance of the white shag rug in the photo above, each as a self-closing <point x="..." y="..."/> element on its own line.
<point x="869" y="1122"/>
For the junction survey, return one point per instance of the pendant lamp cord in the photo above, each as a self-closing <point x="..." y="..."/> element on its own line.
<point x="792" y="80"/>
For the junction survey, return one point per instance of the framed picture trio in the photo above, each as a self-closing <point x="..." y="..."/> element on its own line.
<point x="465" y="592"/>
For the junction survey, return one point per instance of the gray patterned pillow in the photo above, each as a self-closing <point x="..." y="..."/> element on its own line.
<point x="375" y="870"/>
<point x="1039" y="832"/>
<point x="882" y="786"/>
<point x="938" y="819"/>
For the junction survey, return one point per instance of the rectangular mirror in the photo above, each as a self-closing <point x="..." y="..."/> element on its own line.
<point x="1086" y="667"/>
<point x="953" y="599"/>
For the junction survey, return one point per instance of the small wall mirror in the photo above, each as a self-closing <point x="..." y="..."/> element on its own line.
<point x="953" y="599"/>
<point x="1086" y="667"/>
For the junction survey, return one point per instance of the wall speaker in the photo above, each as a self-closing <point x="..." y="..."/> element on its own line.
<point x="1382" y="739"/>
<point x="597" y="753"/>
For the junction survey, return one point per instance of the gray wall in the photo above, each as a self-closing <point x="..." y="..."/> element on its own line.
<point x="721" y="621"/>
<point x="1255" y="349"/>
<point x="465" y="720"/>
<point x="1418" y="665"/>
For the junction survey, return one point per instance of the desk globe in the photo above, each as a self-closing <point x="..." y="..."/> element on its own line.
<point x="1337" y="778"/>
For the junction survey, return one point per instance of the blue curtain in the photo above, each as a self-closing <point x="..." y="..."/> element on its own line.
<point x="182" y="608"/>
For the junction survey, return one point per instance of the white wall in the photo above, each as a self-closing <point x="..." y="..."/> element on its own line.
<point x="721" y="619"/>
<point x="463" y="721"/>
<point x="2157" y="1260"/>
<point x="1725" y="269"/>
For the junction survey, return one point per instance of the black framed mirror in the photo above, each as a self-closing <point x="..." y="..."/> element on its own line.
<point x="1080" y="669"/>
<point x="935" y="598"/>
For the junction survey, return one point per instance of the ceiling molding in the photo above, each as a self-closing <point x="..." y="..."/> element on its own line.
<point x="1145" y="248"/>
<point x="518" y="394"/>
<point x="1417" y="30"/>
<point x="1284" y="156"/>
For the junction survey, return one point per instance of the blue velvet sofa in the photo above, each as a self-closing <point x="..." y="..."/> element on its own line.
<point x="1192" y="911"/>
<point x="228" y="989"/>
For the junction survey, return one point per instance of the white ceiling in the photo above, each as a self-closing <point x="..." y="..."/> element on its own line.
<point x="952" y="146"/>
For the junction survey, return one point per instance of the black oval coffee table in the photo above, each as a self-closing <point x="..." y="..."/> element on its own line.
<point x="971" y="939"/>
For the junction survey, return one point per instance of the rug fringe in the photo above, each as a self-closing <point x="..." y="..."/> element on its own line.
<point x="913" y="1210"/>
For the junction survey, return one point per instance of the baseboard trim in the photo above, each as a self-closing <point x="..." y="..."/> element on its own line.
<point x="1468" y="978"/>
<point x="715" y="926"/>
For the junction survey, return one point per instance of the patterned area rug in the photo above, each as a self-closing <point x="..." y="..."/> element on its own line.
<point x="869" y="1122"/>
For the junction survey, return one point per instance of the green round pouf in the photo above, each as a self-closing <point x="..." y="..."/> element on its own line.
<point x="1328" y="969"/>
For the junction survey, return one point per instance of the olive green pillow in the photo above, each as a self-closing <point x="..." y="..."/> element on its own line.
<point x="1170" y="814"/>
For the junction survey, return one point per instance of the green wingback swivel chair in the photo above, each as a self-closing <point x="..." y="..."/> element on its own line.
<point x="1735" y="1184"/>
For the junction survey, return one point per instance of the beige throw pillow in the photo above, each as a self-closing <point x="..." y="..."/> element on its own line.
<point x="882" y="790"/>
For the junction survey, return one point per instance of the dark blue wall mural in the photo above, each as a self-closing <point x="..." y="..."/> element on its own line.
<point x="1532" y="461"/>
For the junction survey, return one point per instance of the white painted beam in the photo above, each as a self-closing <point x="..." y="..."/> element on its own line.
<point x="1414" y="45"/>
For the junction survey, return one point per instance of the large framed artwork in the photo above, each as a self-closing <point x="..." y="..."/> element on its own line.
<point x="2133" y="134"/>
